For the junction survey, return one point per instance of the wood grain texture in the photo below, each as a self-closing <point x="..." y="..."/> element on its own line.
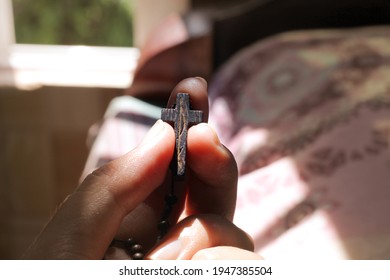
<point x="181" y="117"/>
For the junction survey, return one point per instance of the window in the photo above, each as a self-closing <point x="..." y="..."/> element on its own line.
<point x="66" y="43"/>
<point x="74" y="22"/>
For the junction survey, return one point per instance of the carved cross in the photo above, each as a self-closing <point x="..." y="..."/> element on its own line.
<point x="181" y="117"/>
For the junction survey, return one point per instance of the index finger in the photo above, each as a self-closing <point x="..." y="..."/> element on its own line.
<point x="213" y="174"/>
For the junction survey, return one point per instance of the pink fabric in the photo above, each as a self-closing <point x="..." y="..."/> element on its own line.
<point x="307" y="116"/>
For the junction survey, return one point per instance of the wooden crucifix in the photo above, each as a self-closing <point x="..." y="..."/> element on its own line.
<point x="181" y="117"/>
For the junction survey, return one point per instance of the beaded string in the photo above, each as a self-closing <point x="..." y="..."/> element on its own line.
<point x="132" y="248"/>
<point x="170" y="201"/>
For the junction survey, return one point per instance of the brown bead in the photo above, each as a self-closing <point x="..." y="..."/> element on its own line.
<point x="137" y="256"/>
<point x="163" y="225"/>
<point x="137" y="248"/>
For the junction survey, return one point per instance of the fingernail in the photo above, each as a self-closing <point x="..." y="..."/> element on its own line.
<point x="171" y="251"/>
<point x="156" y="129"/>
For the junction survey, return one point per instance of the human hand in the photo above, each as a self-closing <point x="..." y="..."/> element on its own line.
<point x="124" y="199"/>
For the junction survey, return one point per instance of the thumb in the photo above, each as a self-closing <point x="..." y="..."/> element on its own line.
<point x="200" y="232"/>
<point x="87" y="221"/>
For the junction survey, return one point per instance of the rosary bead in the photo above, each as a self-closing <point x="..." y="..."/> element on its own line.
<point x="166" y="212"/>
<point x="130" y="242"/>
<point x="171" y="199"/>
<point x="163" y="225"/>
<point x="137" y="256"/>
<point x="137" y="248"/>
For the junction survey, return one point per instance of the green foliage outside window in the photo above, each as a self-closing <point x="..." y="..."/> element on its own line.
<point x="74" y="22"/>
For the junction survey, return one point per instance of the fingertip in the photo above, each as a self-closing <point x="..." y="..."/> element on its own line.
<point x="196" y="87"/>
<point x="157" y="133"/>
<point x="202" y="134"/>
<point x="205" y="148"/>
